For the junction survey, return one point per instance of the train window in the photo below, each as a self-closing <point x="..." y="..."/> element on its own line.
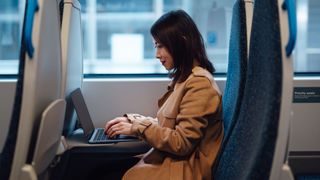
<point x="116" y="38"/>
<point x="11" y="15"/>
<point x="307" y="52"/>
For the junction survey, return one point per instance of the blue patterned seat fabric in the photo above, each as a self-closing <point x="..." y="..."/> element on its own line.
<point x="249" y="151"/>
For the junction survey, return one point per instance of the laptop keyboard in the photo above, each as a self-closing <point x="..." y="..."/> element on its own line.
<point x="100" y="136"/>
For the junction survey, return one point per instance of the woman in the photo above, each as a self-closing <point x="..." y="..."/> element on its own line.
<point x="186" y="134"/>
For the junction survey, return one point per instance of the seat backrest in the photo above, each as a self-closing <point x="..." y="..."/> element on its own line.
<point x="53" y="117"/>
<point x="40" y="85"/>
<point x="51" y="127"/>
<point x="237" y="67"/>
<point x="250" y="150"/>
<point x="288" y="34"/>
<point x="72" y="58"/>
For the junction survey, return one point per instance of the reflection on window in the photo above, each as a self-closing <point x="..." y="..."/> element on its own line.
<point x="9" y="40"/>
<point x="124" y="6"/>
<point x="116" y="37"/>
<point x="9" y="6"/>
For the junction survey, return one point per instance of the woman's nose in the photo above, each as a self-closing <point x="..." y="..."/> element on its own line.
<point x="158" y="54"/>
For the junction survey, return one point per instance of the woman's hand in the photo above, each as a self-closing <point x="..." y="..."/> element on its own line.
<point x="119" y="125"/>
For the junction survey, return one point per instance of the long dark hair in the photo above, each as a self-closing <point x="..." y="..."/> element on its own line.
<point x="177" y="32"/>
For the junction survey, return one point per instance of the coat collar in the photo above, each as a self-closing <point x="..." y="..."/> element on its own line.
<point x="196" y="71"/>
<point x="199" y="71"/>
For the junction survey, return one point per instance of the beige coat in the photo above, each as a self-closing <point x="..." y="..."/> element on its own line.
<point x="186" y="135"/>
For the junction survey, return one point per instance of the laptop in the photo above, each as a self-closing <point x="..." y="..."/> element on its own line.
<point x="94" y="135"/>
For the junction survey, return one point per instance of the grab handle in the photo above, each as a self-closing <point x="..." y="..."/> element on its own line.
<point x="32" y="7"/>
<point x="290" y="7"/>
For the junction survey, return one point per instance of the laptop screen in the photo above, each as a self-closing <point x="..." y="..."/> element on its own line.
<point x="82" y="112"/>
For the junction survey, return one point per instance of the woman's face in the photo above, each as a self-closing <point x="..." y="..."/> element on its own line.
<point x="164" y="56"/>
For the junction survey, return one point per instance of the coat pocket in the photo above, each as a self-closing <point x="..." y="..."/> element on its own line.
<point x="169" y="118"/>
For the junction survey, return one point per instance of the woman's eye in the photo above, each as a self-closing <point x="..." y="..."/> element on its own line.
<point x="158" y="46"/>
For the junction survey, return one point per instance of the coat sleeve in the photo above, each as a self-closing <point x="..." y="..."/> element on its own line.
<point x="139" y="118"/>
<point x="200" y="99"/>
<point x="140" y="122"/>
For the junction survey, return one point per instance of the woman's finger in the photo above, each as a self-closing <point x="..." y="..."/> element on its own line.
<point x="113" y="129"/>
<point x="111" y="123"/>
<point x="114" y="132"/>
